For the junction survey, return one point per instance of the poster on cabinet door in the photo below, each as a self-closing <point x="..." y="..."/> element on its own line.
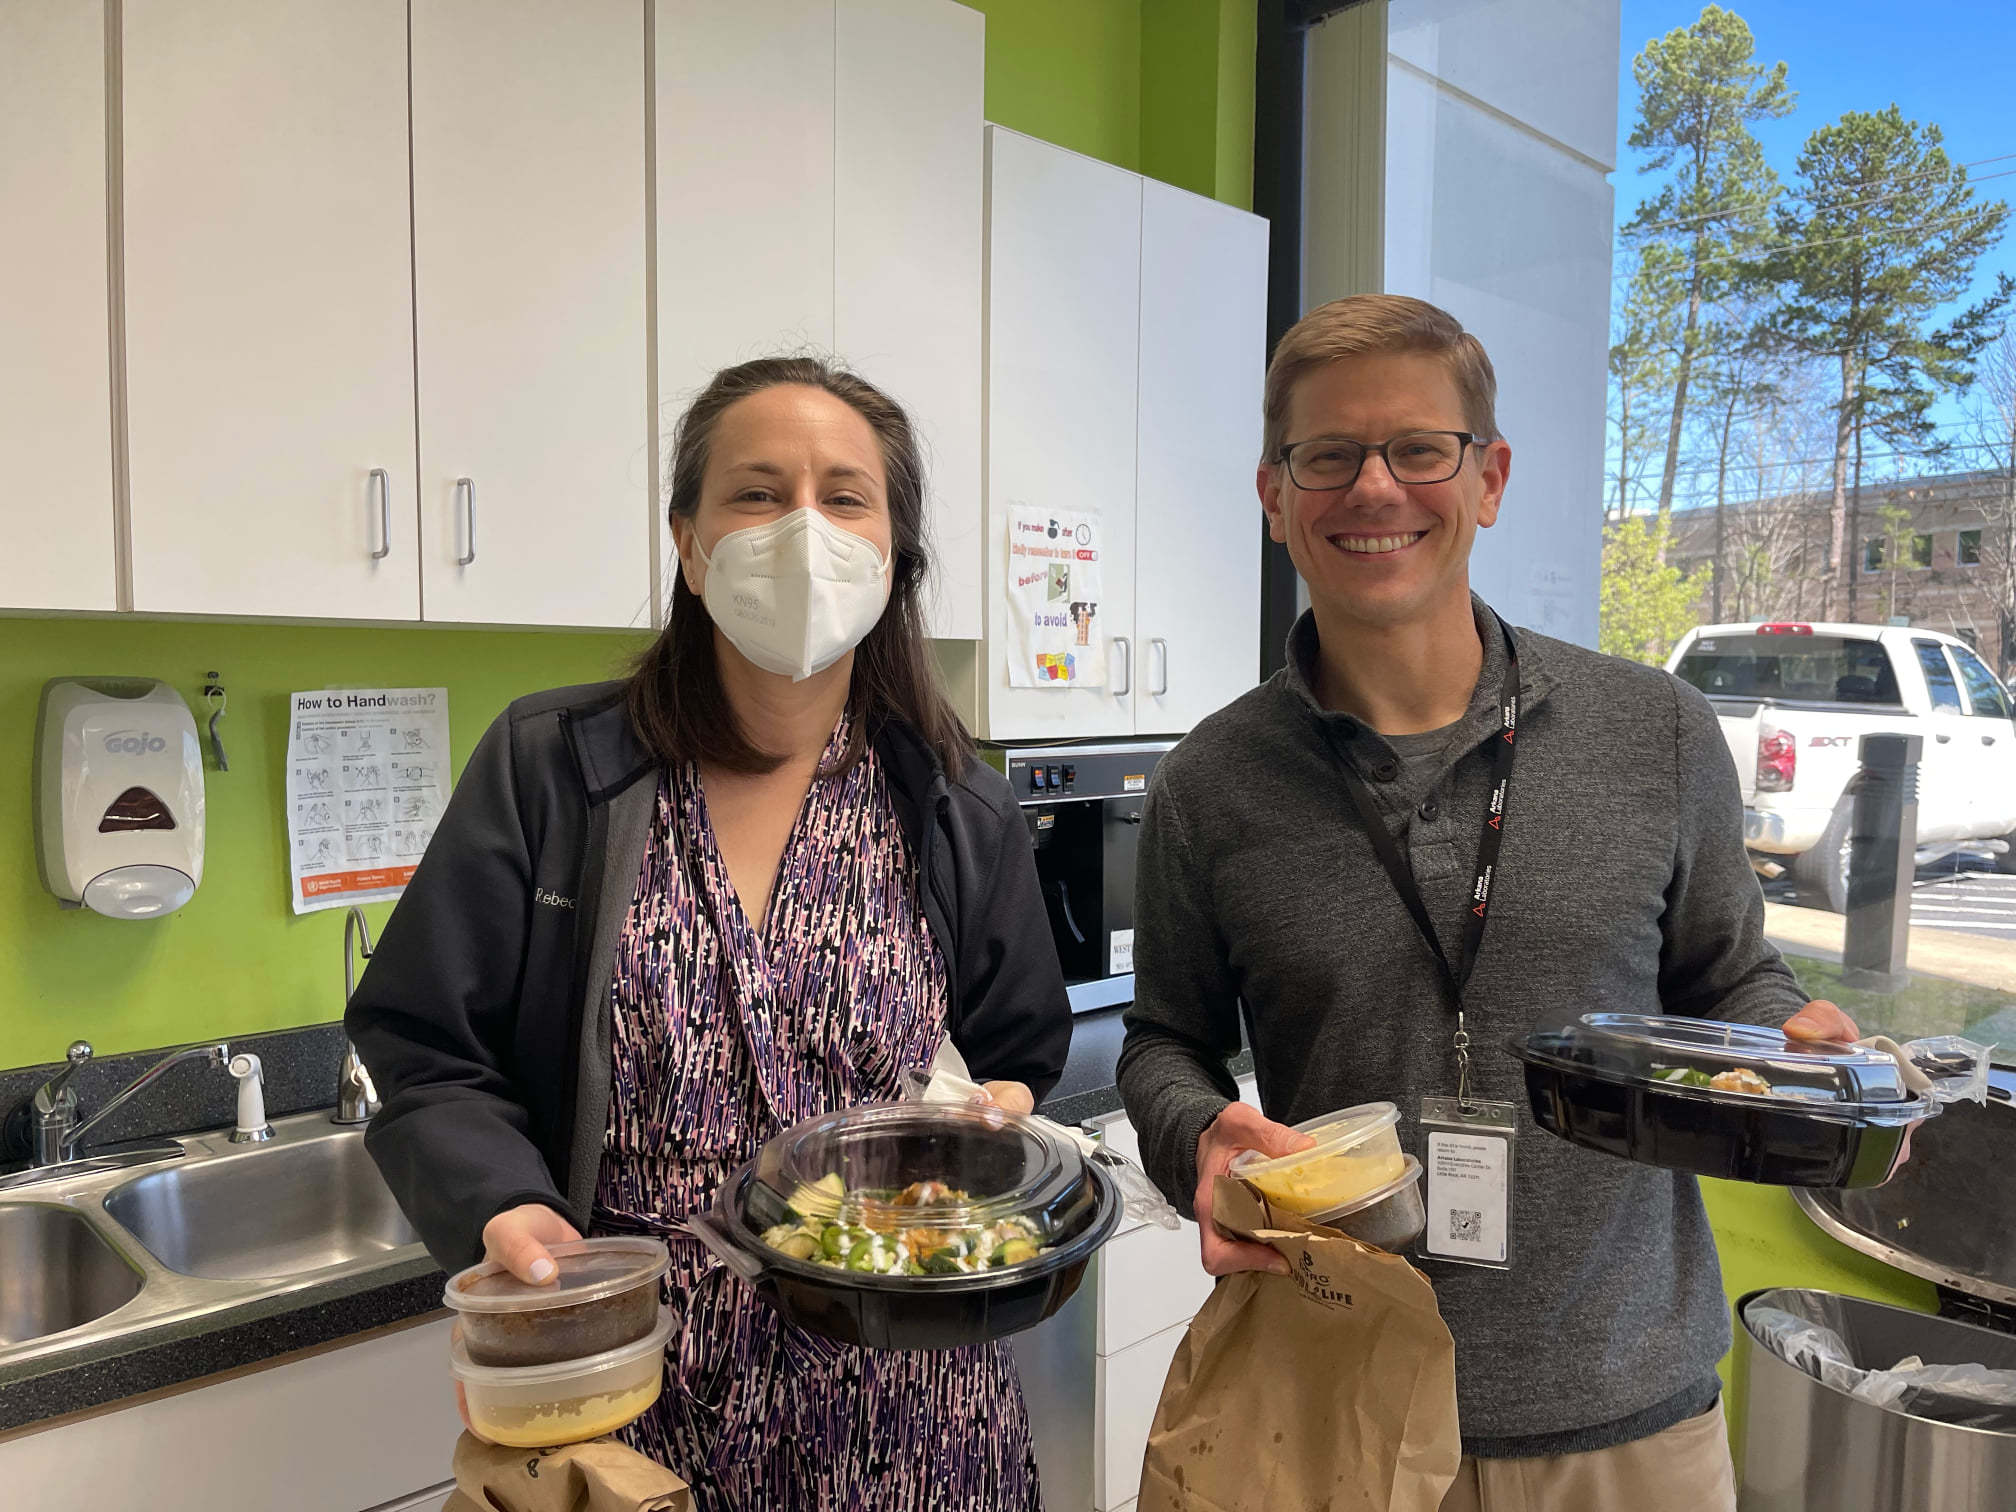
<point x="1055" y="637"/>
<point x="367" y="781"/>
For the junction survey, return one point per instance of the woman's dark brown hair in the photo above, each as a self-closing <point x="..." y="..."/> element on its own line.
<point x="677" y="702"/>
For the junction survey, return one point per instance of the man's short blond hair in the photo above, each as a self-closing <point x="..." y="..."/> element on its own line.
<point x="1362" y="325"/>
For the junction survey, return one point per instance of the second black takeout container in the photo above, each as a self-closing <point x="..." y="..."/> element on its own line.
<point x="1007" y="1166"/>
<point x="1836" y="1115"/>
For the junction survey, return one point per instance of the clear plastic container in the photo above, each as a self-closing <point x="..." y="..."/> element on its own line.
<point x="1390" y="1218"/>
<point x="1357" y="1151"/>
<point x="605" y="1297"/>
<point x="567" y="1402"/>
<point x="919" y="1190"/>
<point x="1711" y="1058"/>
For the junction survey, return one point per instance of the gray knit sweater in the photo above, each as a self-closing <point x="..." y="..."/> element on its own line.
<point x="1622" y="885"/>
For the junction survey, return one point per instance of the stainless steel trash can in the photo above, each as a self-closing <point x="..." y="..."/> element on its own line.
<point x="1809" y="1447"/>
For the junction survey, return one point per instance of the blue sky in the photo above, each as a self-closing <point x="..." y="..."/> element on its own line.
<point x="1949" y="61"/>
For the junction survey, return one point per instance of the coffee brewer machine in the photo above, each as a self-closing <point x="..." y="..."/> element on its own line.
<point x="1082" y="804"/>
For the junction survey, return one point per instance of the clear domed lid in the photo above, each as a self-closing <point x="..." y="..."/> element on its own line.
<point x="1713" y="1059"/>
<point x="932" y="1175"/>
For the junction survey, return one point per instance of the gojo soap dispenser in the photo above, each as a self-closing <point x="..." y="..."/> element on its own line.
<point x="118" y="796"/>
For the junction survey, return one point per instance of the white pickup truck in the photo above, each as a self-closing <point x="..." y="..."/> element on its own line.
<point x="1795" y="700"/>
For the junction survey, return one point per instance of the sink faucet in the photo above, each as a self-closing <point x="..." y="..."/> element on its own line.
<point x="356" y="1095"/>
<point x="56" y="1133"/>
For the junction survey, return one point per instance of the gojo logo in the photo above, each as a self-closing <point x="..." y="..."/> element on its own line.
<point x="134" y="743"/>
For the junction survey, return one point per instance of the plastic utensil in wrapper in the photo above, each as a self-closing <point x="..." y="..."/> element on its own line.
<point x="566" y="1402"/>
<point x="604" y="1297"/>
<point x="1356" y="1153"/>
<point x="948" y="1083"/>
<point x="1740" y="1101"/>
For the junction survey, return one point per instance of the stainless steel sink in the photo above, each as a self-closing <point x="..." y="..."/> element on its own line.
<point x="56" y="1273"/>
<point x="279" y="1210"/>
<point x="103" y="1254"/>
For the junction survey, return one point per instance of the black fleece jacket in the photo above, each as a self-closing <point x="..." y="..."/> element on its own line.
<point x="483" y="1014"/>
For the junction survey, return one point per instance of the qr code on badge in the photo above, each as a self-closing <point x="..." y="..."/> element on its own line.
<point x="1465" y="1227"/>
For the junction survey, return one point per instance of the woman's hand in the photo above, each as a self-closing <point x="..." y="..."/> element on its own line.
<point x="516" y="1239"/>
<point x="1240" y="1127"/>
<point x="1010" y="1096"/>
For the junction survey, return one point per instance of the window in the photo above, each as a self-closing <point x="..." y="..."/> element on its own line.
<point x="1872" y="554"/>
<point x="1921" y="551"/>
<point x="1971" y="636"/>
<point x="1983" y="691"/>
<point x="1938" y="676"/>
<point x="1824" y="668"/>
<point x="1969" y="550"/>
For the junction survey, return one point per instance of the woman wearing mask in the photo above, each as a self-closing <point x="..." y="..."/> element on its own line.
<point x="663" y="919"/>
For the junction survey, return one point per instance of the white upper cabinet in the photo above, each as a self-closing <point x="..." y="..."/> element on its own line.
<point x="1197" y="537"/>
<point x="745" y="193"/>
<point x="906" y="248"/>
<point x="56" y="548"/>
<point x="529" y="243"/>
<point x="269" y="335"/>
<point x="1063" y="303"/>
<point x="745" y="187"/>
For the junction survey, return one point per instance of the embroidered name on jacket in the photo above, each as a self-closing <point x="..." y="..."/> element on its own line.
<point x="551" y="899"/>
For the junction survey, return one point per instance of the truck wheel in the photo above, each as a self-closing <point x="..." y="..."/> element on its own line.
<point x="1822" y="872"/>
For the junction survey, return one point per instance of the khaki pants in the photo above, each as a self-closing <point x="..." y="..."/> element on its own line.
<point x="1684" y="1469"/>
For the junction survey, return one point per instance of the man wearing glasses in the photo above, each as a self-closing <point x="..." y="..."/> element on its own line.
<point x="1323" y="856"/>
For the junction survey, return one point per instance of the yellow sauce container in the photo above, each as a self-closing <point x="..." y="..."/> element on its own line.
<point x="1357" y="1151"/>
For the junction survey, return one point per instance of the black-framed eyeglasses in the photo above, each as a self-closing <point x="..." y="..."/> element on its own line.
<point x="1331" y="462"/>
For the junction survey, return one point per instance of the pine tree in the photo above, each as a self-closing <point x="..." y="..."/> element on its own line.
<point x="1700" y="90"/>
<point x="1883" y="232"/>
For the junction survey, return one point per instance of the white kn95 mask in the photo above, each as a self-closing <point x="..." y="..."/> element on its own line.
<point x="795" y="594"/>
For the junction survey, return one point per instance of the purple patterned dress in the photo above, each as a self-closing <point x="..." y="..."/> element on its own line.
<point x="723" y="1036"/>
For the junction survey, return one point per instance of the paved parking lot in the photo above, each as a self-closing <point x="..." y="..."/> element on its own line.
<point x="1962" y="893"/>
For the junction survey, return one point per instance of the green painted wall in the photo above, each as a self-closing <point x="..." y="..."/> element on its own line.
<point x="235" y="959"/>
<point x="1162" y="87"/>
<point x="1069" y="72"/>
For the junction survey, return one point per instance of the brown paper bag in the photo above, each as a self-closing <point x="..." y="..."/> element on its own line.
<point x="599" y="1476"/>
<point x="1333" y="1387"/>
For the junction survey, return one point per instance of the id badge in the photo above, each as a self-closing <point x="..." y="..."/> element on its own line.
<point x="1468" y="1155"/>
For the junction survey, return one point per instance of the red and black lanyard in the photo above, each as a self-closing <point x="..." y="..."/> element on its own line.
<point x="1503" y="749"/>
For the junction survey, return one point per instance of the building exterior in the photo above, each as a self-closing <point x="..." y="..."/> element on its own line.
<point x="1934" y="551"/>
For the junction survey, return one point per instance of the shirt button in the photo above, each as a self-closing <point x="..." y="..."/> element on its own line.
<point x="1430" y="807"/>
<point x="1386" y="771"/>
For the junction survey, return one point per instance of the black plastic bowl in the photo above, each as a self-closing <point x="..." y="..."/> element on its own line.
<point x="1774" y="1143"/>
<point x="906" y="1312"/>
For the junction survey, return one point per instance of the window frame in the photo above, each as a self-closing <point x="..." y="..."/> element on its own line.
<point x="1920" y="646"/>
<point x="1961" y="657"/>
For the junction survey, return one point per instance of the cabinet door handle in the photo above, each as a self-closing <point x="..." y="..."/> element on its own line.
<point x="1127" y="665"/>
<point x="465" y="490"/>
<point x="1164" y="646"/>
<point x="1987" y="740"/>
<point x="383" y="480"/>
<point x="1943" y="739"/>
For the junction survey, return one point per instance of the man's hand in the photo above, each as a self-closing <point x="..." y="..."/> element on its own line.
<point x="1821" y="1020"/>
<point x="1238" y="1128"/>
